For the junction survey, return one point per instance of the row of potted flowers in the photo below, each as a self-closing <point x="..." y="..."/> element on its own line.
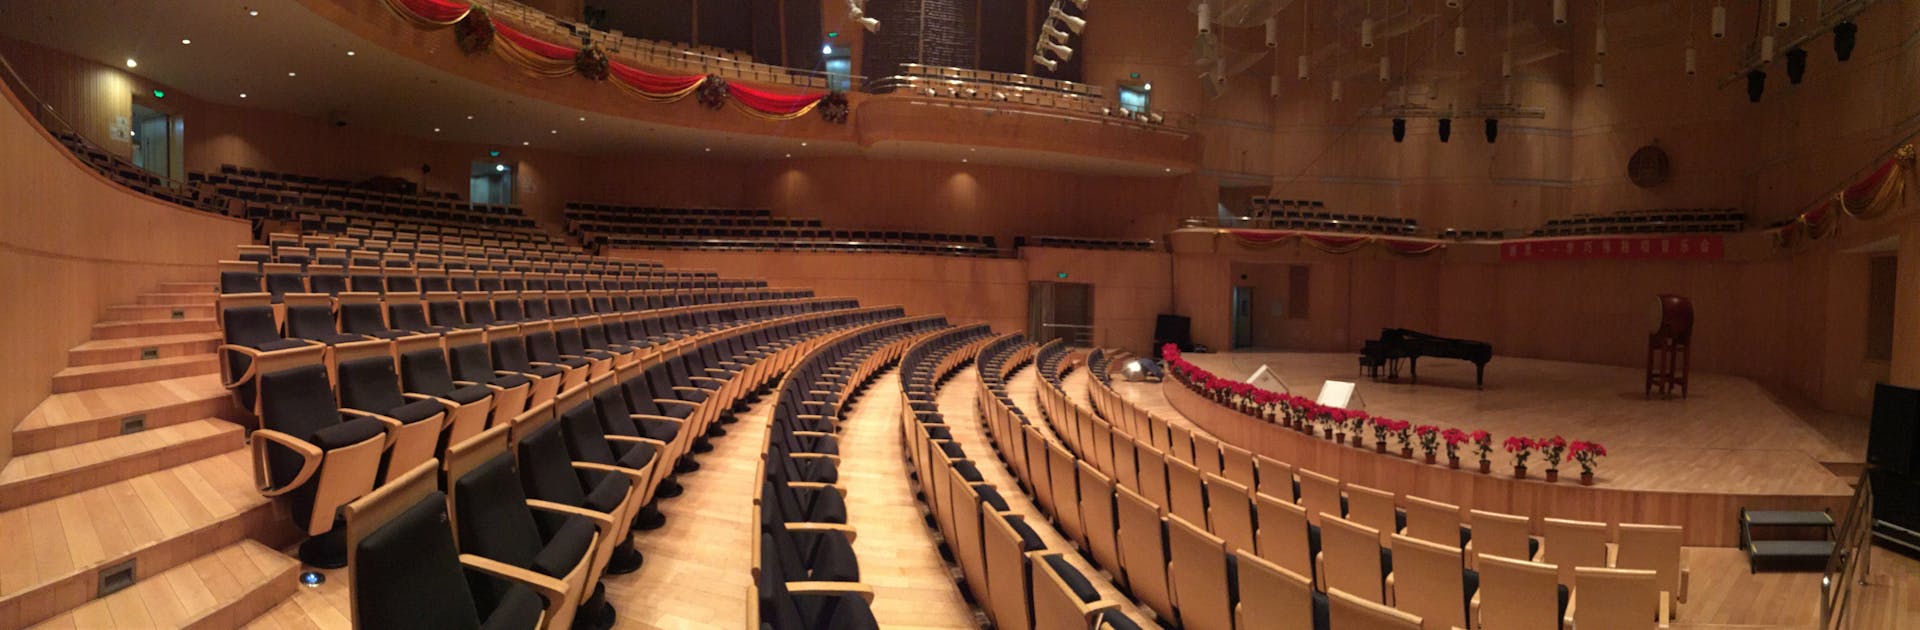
<point x="1349" y="426"/>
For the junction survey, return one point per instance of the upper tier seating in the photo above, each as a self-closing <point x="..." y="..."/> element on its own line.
<point x="334" y="206"/>
<point x="125" y="173"/>
<point x="1657" y="220"/>
<point x="1076" y="242"/>
<point x="610" y="225"/>
<point x="1299" y="214"/>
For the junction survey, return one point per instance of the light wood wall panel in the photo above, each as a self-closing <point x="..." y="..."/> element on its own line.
<point x="72" y="244"/>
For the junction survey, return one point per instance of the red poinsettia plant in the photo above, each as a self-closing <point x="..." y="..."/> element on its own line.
<point x="1588" y="454"/>
<point x="1553" y="449"/>
<point x="1429" y="438"/>
<point x="1521" y="448"/>
<point x="1453" y="439"/>
<point x="1403" y="432"/>
<point x="1482" y="443"/>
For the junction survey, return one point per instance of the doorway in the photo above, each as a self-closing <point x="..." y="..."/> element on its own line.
<point x="1060" y="310"/>
<point x="1242" y="317"/>
<point x="491" y="182"/>
<point x="152" y="138"/>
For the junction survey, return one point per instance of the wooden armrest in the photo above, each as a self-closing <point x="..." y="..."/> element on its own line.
<point x="816" y="485"/>
<point x="601" y="519"/>
<point x="636" y="440"/>
<point x="310" y="456"/>
<point x="813" y="434"/>
<point x="1686" y="575"/>
<point x="845" y="530"/>
<point x="450" y="405"/>
<point x="552" y="589"/>
<point x="648" y="416"/>
<point x="1666" y="610"/>
<point x="676" y="401"/>
<point x="698" y="379"/>
<point x="831" y="588"/>
<point x="813" y="456"/>
<point x="391" y="423"/>
<point x="703" y="390"/>
<point x="464" y="383"/>
<point x="1388" y="592"/>
<point x="1573" y="601"/>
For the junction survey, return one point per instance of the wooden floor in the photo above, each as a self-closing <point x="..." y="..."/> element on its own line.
<point x="956" y="404"/>
<point x="1729" y="436"/>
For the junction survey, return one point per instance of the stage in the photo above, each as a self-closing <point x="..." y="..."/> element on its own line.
<point x="1730" y="444"/>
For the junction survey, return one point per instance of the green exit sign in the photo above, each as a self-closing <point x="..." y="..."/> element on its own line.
<point x="1062" y="275"/>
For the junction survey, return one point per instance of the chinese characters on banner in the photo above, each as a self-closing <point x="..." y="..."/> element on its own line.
<point x="1696" y="247"/>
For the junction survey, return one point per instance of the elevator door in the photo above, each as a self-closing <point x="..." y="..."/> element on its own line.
<point x="1242" y="317"/>
<point x="1060" y="310"/>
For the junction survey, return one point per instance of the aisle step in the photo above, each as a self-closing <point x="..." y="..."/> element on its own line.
<point x="190" y="287"/>
<point x="94" y="414"/>
<point x="36" y="477"/>
<point x="66" y="547"/>
<point x="140" y="348"/>
<point x="222" y="589"/>
<point x="159" y="311"/>
<point x="152" y="327"/>
<point x="177" y="298"/>
<point x="85" y="377"/>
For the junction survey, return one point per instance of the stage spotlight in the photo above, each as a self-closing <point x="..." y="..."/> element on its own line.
<point x="1074" y="24"/>
<point x="1053" y="34"/>
<point x="1063" y="52"/>
<point x="1273" y="32"/>
<point x="1205" y="17"/>
<point x="1446" y="129"/>
<point x="1756" y="84"/>
<point x="1719" y="21"/>
<point x="1843" y="40"/>
<point x="1044" y="62"/>
<point x="1559" y="11"/>
<point x="1399" y="129"/>
<point x="1796" y="65"/>
<point x="872" y="25"/>
<point x="1493" y="129"/>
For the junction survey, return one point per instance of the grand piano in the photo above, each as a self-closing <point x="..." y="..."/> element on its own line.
<point x="1396" y="344"/>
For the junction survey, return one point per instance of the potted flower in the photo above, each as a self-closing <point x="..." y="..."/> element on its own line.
<point x="1403" y="431"/>
<point x="1381" y="427"/>
<point x="1331" y="421"/>
<point x="1554" y="450"/>
<point x="1357" y="421"/>
<point x="1483" y="446"/>
<point x="1453" y="438"/>
<point x="1588" y="454"/>
<point x="1521" y="448"/>
<point x="1429" y="439"/>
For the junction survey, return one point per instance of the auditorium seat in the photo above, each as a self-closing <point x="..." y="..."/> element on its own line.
<point x="1656" y="548"/>
<point x="1428" y="580"/>
<point x="360" y="314"/>
<point x="310" y="316"/>
<point x="1497" y="534"/>
<point x="1098" y="517"/>
<point x="1276" y="478"/>
<point x="1627" y="599"/>
<point x="1350" y="558"/>
<point x="1517" y="595"/>
<point x="426" y="375"/>
<point x="508" y="350"/>
<point x="1273" y="598"/>
<point x="1062" y="596"/>
<point x="401" y="555"/>
<point x="1353" y="612"/>
<point x="249" y="327"/>
<point x="1282" y="537"/>
<point x="1011" y="548"/>
<point x="1143" y="552"/>
<point x="1320" y="494"/>
<point x="548" y="473"/>
<point x="1570" y="544"/>
<point x="1372" y="508"/>
<point x="307" y="450"/>
<point x="1198" y="567"/>
<point x="369" y="385"/>
<point x="241" y="276"/>
<point x="494" y="519"/>
<point x="1433" y="521"/>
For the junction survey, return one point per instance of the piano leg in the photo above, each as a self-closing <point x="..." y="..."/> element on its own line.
<point x="1413" y="370"/>
<point x="1479" y="376"/>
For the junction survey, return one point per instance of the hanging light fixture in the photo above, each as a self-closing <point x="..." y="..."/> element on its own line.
<point x="1506" y="65"/>
<point x="1206" y="18"/>
<point x="1460" y="40"/>
<point x="1385" y="74"/>
<point x="1273" y="32"/>
<point x="1719" y="29"/>
<point x="1044" y="62"/>
<point x="1399" y="129"/>
<point x="1844" y="35"/>
<point x="1493" y="129"/>
<point x="1559" y="11"/>
<point x="1273" y="86"/>
<point x="1446" y="129"/>
<point x="1336" y="90"/>
<point x="1766" y="48"/>
<point x="1306" y="29"/>
<point x="1756" y="85"/>
<point x="1302" y="62"/>
<point x="1599" y="75"/>
<point x="1782" y="13"/>
<point x="1796" y="65"/>
<point x="1366" y="32"/>
<point x="1600" y="32"/>
<point x="1693" y="60"/>
<point x="1063" y="52"/>
<point x="1074" y="23"/>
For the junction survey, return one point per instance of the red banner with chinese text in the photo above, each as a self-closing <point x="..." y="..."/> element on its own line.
<point x="1666" y="247"/>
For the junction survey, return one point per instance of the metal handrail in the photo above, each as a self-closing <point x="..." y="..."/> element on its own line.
<point x="51" y="120"/>
<point x="1848" y="565"/>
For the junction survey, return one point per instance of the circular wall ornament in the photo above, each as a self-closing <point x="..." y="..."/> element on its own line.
<point x="1648" y="167"/>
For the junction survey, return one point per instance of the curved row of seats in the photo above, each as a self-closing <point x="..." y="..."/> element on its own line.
<point x="524" y="518"/>
<point x="806" y="574"/>
<point x="1008" y="568"/>
<point x="1249" y="538"/>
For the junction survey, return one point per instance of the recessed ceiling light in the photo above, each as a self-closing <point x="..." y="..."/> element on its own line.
<point x="293" y="74"/>
<point x="583" y="119"/>
<point x="1169" y="170"/>
<point x="963" y="160"/>
<point x="349" y="53"/>
<point x="525" y="143"/>
<point x="707" y="149"/>
<point x="469" y="116"/>
<point x="803" y="144"/>
<point x="132" y="64"/>
<point x="243" y="95"/>
<point x="554" y="131"/>
<point x="789" y="155"/>
<point x="253" y="13"/>
<point x="969" y="149"/>
<point x="186" y="41"/>
<point x="436" y="130"/>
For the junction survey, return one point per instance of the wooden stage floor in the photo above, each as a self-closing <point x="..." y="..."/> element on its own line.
<point x="1729" y="436"/>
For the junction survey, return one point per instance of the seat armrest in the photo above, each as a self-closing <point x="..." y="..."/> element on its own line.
<point x="831" y="588"/>
<point x="310" y="457"/>
<point x="450" y="405"/>
<point x="816" y="485"/>
<point x="846" y="530"/>
<point x="602" y="519"/>
<point x="553" y="590"/>
<point x="645" y="416"/>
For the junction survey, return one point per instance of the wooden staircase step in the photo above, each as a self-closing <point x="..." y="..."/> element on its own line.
<point x="328" y="606"/>
<point x="177" y="298"/>
<point x="190" y="287"/>
<point x="221" y="589"/>
<point x="59" y="548"/>
<point x="101" y="351"/>
<point x="152" y="327"/>
<point x="75" y="379"/>
<point x="159" y="311"/>
<point x="95" y="414"/>
<point x="35" y="477"/>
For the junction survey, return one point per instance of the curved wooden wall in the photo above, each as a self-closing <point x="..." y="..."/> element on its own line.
<point x="73" y="243"/>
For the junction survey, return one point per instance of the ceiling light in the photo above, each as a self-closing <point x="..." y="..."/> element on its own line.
<point x="963" y="160"/>
<point x="803" y="144"/>
<point x="132" y="64"/>
<point x="526" y="143"/>
<point x="1169" y="170"/>
<point x="789" y="155"/>
<point x="583" y="119"/>
<point x="499" y="168"/>
<point x="253" y="13"/>
<point x="243" y="95"/>
<point x="349" y="53"/>
<point x="293" y="74"/>
<point x="554" y="131"/>
<point x="186" y="41"/>
<point x="469" y="116"/>
<point x="436" y="130"/>
<point x="707" y="149"/>
<point x="826" y="49"/>
<point x="1146" y="86"/>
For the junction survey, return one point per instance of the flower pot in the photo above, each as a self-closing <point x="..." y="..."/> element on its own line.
<point x="1486" y="467"/>
<point x="1453" y="462"/>
<point x="1519" y="472"/>
<point x="1329" y="433"/>
<point x="1380" y="446"/>
<point x="1407" y="452"/>
<point x="1430" y="458"/>
<point x="1553" y="476"/>
<point x="1357" y="442"/>
<point x="1586" y="479"/>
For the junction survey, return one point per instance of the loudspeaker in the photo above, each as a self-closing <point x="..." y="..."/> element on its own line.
<point x="1172" y="329"/>
<point x="1894" y="437"/>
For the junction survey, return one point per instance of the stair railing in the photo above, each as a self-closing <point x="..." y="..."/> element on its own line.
<point x="1847" y="568"/>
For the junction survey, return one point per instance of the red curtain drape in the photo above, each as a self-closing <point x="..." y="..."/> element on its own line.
<point x="432" y="12"/>
<point x="658" y="87"/>
<point x="772" y="104"/>
<point x="533" y="44"/>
